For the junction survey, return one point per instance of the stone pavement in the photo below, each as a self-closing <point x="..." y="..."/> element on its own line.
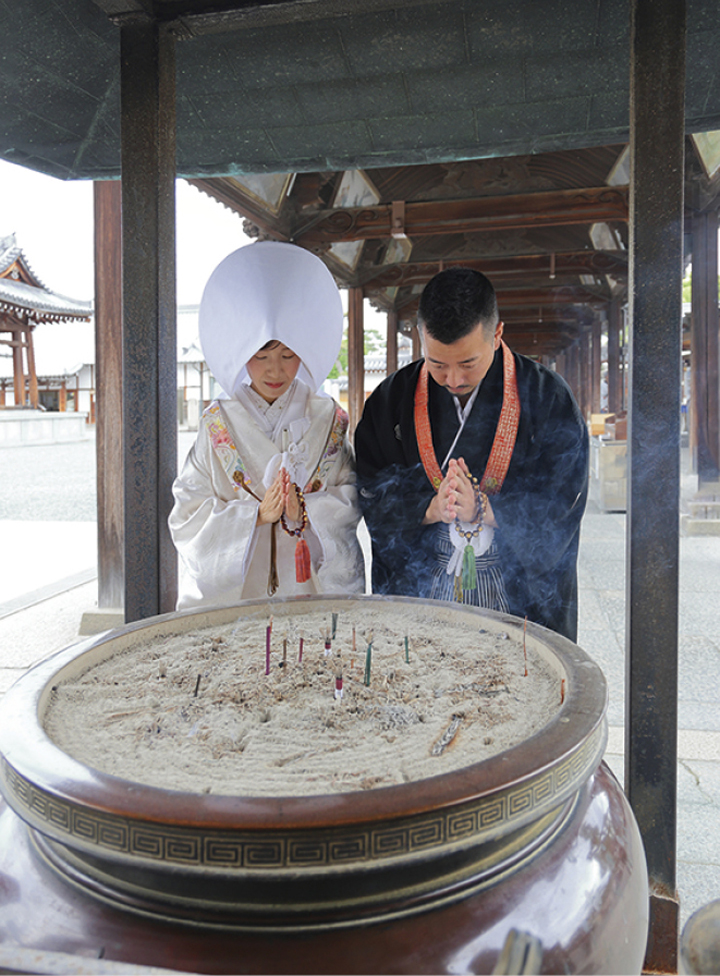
<point x="47" y="581"/>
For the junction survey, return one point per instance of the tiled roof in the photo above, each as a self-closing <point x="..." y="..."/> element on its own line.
<point x="9" y="252"/>
<point x="41" y="304"/>
<point x="377" y="362"/>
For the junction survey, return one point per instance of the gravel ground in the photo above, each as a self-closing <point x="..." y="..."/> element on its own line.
<point x="55" y="482"/>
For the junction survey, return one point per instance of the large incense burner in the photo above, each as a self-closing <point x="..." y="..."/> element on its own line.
<point x="348" y="784"/>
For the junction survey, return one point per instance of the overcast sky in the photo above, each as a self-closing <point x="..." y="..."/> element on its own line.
<point x="53" y="221"/>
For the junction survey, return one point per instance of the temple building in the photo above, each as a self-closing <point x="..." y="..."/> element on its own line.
<point x="25" y="303"/>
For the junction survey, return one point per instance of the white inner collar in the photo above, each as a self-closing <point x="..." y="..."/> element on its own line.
<point x="462" y="413"/>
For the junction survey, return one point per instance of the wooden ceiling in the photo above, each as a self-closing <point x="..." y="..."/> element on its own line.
<point x="549" y="230"/>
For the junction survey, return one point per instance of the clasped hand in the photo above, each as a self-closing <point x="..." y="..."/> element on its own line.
<point x="456" y="498"/>
<point x="280" y="497"/>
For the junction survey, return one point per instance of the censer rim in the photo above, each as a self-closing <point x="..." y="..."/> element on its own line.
<point x="61" y="775"/>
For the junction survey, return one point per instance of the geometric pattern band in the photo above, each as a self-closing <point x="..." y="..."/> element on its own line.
<point x="319" y="848"/>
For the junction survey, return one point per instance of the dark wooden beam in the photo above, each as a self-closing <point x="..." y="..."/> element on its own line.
<point x="147" y="54"/>
<point x="563" y="328"/>
<point x="549" y="297"/>
<point x="551" y="327"/>
<point x="657" y="135"/>
<point x="551" y="208"/>
<point x="506" y="269"/>
<point x="531" y="345"/>
<point x="529" y="304"/>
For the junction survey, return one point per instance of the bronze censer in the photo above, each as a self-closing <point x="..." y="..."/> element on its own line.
<point x="424" y="876"/>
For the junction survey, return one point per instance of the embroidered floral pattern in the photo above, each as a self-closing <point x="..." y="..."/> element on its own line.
<point x="332" y="447"/>
<point x="224" y="447"/>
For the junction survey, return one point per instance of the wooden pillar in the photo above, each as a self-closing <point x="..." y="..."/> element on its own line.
<point x="596" y="370"/>
<point x="576" y="360"/>
<point x="566" y="363"/>
<point x="657" y="133"/>
<point x="391" y="360"/>
<point x="571" y="374"/>
<point x="18" y="369"/>
<point x="613" y="375"/>
<point x="585" y="366"/>
<point x="32" y="371"/>
<point x="704" y="345"/>
<point x="356" y="356"/>
<point x="62" y="397"/>
<point x="147" y="96"/>
<point x="109" y="427"/>
<point x="416" y="344"/>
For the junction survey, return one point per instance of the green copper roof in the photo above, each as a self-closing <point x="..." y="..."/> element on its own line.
<point x="371" y="85"/>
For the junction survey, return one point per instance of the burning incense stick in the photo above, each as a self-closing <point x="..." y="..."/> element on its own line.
<point x="268" y="635"/>
<point x="524" y="647"/>
<point x="334" y="625"/>
<point x="407" y="653"/>
<point x="284" y="660"/>
<point x="300" y="650"/>
<point x="197" y="686"/>
<point x="562" y="690"/>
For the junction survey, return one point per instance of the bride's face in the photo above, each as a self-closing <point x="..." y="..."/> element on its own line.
<point x="272" y="369"/>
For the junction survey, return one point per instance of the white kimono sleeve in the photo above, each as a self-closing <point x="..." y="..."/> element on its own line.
<point x="213" y="528"/>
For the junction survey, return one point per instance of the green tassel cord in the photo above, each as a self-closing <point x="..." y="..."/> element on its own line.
<point x="469" y="573"/>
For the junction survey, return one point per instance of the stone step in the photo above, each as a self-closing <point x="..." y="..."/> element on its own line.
<point x="699" y="526"/>
<point x="704" y="508"/>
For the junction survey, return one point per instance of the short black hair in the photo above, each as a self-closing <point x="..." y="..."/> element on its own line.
<point x="454" y="302"/>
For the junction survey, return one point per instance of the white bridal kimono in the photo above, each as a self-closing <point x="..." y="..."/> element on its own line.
<point x="225" y="555"/>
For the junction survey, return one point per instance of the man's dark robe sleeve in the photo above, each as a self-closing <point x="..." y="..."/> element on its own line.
<point x="541" y="505"/>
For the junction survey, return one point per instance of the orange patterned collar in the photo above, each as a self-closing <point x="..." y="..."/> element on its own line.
<point x="505" y="435"/>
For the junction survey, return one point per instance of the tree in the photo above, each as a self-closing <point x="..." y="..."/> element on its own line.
<point x="687" y="288"/>
<point x="373" y="341"/>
